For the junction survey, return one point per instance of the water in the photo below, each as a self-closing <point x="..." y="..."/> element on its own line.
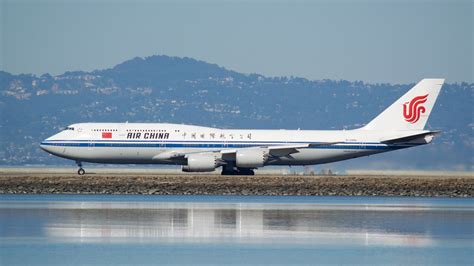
<point x="78" y="229"/>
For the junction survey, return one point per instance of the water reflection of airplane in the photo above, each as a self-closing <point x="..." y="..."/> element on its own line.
<point x="244" y="225"/>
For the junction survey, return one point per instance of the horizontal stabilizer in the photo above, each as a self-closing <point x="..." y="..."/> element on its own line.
<point x="411" y="138"/>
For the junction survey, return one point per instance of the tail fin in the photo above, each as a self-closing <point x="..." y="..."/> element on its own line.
<point x="411" y="111"/>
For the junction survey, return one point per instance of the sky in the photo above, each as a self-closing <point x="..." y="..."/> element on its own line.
<point x="373" y="41"/>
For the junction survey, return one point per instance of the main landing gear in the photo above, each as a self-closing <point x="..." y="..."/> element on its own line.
<point x="231" y="170"/>
<point x="81" y="171"/>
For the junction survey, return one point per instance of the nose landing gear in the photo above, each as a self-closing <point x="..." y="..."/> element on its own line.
<point x="81" y="171"/>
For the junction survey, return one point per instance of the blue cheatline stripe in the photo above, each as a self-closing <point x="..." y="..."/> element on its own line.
<point x="212" y="145"/>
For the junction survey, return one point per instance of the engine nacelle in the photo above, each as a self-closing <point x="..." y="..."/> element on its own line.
<point x="251" y="158"/>
<point x="201" y="163"/>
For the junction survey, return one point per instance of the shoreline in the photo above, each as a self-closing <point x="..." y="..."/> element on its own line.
<point x="100" y="182"/>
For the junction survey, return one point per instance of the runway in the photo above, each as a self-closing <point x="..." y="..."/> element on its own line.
<point x="191" y="230"/>
<point x="160" y="182"/>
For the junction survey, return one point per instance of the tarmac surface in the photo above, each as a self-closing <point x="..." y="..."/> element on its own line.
<point x="152" y="181"/>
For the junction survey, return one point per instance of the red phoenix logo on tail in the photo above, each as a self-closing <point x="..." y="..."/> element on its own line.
<point x="413" y="109"/>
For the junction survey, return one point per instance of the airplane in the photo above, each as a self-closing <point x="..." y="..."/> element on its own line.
<point x="241" y="151"/>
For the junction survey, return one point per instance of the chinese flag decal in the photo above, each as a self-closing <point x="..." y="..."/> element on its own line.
<point x="106" y="135"/>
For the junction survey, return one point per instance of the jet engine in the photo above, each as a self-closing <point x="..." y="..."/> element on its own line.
<point x="251" y="158"/>
<point x="207" y="162"/>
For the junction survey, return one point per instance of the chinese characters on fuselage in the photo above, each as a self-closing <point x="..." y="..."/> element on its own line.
<point x="222" y="136"/>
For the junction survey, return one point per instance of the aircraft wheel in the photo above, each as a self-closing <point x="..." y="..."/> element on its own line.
<point x="250" y="172"/>
<point x="228" y="172"/>
<point x="245" y="171"/>
<point x="238" y="171"/>
<point x="81" y="171"/>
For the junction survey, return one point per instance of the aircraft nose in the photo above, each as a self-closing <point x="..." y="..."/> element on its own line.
<point x="44" y="146"/>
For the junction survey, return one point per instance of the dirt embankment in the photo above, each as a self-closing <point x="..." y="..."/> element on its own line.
<point x="357" y="185"/>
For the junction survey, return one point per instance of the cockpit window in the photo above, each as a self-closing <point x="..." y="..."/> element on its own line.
<point x="69" y="128"/>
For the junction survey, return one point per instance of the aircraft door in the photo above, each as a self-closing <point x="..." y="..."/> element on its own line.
<point x="90" y="145"/>
<point x="162" y="144"/>
<point x="363" y="146"/>
<point x="225" y="144"/>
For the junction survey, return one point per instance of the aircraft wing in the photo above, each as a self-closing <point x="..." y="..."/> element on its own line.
<point x="282" y="150"/>
<point x="275" y="151"/>
<point x="169" y="155"/>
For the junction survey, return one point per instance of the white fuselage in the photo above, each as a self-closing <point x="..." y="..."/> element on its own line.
<point x="238" y="151"/>
<point x="142" y="143"/>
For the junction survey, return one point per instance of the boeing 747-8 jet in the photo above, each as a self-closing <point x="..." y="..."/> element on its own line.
<point x="240" y="151"/>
